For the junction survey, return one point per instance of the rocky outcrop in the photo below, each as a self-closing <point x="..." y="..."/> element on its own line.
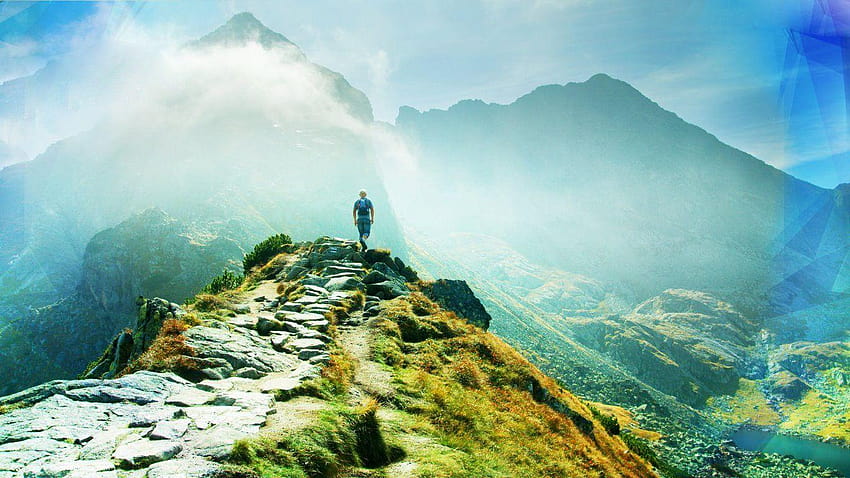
<point x="150" y="254"/>
<point x="163" y="425"/>
<point x="685" y="343"/>
<point x="127" y="346"/>
<point x="456" y="296"/>
<point x="144" y="421"/>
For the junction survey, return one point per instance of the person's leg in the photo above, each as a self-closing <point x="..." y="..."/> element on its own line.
<point x="364" y="226"/>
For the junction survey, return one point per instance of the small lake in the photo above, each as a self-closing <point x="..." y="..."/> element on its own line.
<point x="824" y="454"/>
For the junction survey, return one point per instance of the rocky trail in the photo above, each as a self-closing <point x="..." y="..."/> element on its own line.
<point x="149" y="424"/>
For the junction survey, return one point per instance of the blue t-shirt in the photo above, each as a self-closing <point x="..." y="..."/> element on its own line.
<point x="363" y="206"/>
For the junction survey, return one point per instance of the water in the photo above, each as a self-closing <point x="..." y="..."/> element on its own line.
<point x="824" y="454"/>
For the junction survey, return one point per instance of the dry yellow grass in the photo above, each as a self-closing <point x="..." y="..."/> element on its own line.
<point x="474" y="390"/>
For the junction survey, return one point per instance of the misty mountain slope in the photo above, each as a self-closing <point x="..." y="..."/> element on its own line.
<point x="682" y="363"/>
<point x="9" y="155"/>
<point x="597" y="179"/>
<point x="149" y="254"/>
<point x="238" y="132"/>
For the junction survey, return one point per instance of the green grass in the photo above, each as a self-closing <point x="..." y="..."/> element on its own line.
<point x="266" y="250"/>
<point x="340" y="438"/>
<point x="227" y="280"/>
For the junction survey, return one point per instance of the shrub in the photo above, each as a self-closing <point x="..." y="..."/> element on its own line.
<point x="226" y="281"/>
<point x="609" y="422"/>
<point x="168" y="352"/>
<point x="209" y="303"/>
<point x="642" y="449"/>
<point x="265" y="250"/>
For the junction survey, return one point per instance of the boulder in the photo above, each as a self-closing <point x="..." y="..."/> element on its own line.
<point x="320" y="325"/>
<point x="307" y="354"/>
<point x="375" y="256"/>
<point x="248" y="372"/>
<point x="456" y="296"/>
<point x="282" y="384"/>
<point x="279" y="339"/>
<point x="374" y="276"/>
<point x="315" y="290"/>
<point x="266" y="325"/>
<point x="387" y="289"/>
<point x="389" y="272"/>
<point x="294" y="272"/>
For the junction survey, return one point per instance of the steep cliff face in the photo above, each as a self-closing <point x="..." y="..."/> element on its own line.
<point x="310" y="367"/>
<point x="149" y="254"/>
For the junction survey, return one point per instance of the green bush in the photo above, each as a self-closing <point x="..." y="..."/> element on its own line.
<point x="642" y="449"/>
<point x="265" y="250"/>
<point x="226" y="281"/>
<point x="609" y="422"/>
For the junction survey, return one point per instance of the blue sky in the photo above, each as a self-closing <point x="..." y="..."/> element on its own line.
<point x="767" y="79"/>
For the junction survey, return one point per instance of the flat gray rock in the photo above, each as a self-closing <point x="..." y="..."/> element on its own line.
<point x="142" y="453"/>
<point x="170" y="430"/>
<point x="320" y="325"/>
<point x="217" y="442"/>
<point x="244" y="321"/>
<point x="299" y="344"/>
<point x="284" y="384"/>
<point x="307" y="299"/>
<point x="190" y="397"/>
<point x="17" y="455"/>
<point x="182" y="468"/>
<point x="238" y="349"/>
<point x="305" y="317"/>
<point x="72" y="469"/>
<point x="316" y="290"/>
<point x="344" y="282"/>
<point x="291" y="307"/>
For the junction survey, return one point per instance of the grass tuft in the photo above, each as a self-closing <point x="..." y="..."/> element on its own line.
<point x="168" y="352"/>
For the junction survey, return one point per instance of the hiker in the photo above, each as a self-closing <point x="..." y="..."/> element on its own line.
<point x="364" y="217"/>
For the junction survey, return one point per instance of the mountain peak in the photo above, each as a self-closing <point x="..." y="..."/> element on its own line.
<point x="243" y="28"/>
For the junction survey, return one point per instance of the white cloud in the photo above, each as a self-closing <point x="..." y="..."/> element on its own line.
<point x="379" y="68"/>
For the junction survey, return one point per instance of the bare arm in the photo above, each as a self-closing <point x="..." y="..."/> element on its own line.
<point x="372" y="210"/>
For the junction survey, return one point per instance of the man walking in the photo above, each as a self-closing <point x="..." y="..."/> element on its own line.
<point x="364" y="217"/>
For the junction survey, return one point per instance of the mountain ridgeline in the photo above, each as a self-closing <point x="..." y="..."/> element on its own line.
<point x="597" y="179"/>
<point x="324" y="362"/>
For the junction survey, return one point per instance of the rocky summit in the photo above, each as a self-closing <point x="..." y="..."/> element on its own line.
<point x="325" y="361"/>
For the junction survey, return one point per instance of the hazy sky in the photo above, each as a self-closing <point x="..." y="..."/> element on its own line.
<point x="765" y="78"/>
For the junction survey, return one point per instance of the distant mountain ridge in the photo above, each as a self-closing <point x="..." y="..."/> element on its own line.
<point x="634" y="195"/>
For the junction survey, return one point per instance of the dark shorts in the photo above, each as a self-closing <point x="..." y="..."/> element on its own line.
<point x="364" y="226"/>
